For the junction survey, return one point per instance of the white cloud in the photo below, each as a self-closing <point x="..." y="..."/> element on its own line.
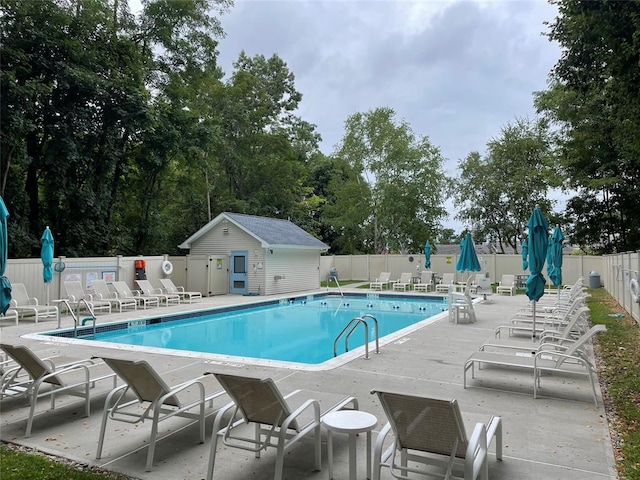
<point x="457" y="71"/>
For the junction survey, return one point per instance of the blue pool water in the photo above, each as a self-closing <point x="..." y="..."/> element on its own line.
<point x="302" y="330"/>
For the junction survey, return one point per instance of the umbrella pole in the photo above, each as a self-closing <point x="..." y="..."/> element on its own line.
<point x="533" y="333"/>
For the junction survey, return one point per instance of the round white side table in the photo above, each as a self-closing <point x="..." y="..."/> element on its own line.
<point x="351" y="422"/>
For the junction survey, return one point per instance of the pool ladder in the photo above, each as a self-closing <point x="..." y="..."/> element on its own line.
<point x="329" y="278"/>
<point x="351" y="327"/>
<point x="92" y="318"/>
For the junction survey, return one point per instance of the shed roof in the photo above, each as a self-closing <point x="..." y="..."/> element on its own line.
<point x="271" y="232"/>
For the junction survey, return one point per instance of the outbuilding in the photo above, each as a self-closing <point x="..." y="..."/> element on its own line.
<point x="264" y="256"/>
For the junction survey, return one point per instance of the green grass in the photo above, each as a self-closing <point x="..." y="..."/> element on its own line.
<point x="618" y="370"/>
<point x="19" y="465"/>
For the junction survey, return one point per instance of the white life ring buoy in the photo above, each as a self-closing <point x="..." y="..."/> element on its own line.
<point x="167" y="267"/>
<point x="635" y="290"/>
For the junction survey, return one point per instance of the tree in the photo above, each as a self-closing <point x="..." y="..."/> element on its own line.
<point x="594" y="99"/>
<point x="496" y="194"/>
<point x="397" y="196"/>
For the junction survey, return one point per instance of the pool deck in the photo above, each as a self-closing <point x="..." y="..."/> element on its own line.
<point x="559" y="435"/>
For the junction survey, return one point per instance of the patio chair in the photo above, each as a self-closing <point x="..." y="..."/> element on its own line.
<point x="280" y="421"/>
<point x="381" y="282"/>
<point x="124" y="292"/>
<point x="448" y="280"/>
<point x="426" y="281"/>
<point x="75" y="379"/>
<point x="155" y="400"/>
<point x="431" y="432"/>
<point x="76" y="296"/>
<point x="25" y="305"/>
<point x="461" y="305"/>
<point x="507" y="285"/>
<point x="149" y="291"/>
<point x="572" y="361"/>
<point x="169" y="287"/>
<point x="403" y="283"/>
<point x="101" y="291"/>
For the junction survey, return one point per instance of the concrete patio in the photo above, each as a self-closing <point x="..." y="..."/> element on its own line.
<point x="560" y="435"/>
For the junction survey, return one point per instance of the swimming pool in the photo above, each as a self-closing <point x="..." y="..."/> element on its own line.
<point x="298" y="331"/>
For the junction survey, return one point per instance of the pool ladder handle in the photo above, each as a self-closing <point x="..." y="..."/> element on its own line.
<point x="338" y="284"/>
<point x="354" y="324"/>
<point x="92" y="318"/>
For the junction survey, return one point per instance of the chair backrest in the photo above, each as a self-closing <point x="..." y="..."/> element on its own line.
<point x="100" y="287"/>
<point x="168" y="285"/>
<point x="426" y="277"/>
<point x="19" y="294"/>
<point x="30" y="363"/>
<point x="579" y="343"/>
<point x="573" y="319"/>
<point x="74" y="289"/>
<point x="145" y="286"/>
<point x="508" y="280"/>
<point x="122" y="288"/>
<point x="448" y="278"/>
<point x="425" y="424"/>
<point x="257" y="399"/>
<point x="479" y="278"/>
<point x="405" y="278"/>
<point x="142" y="379"/>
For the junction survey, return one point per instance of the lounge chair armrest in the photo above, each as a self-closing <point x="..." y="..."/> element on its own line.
<point x="477" y="449"/>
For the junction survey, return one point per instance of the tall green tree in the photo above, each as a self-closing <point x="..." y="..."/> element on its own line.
<point x="397" y="196"/>
<point x="594" y="100"/>
<point x="496" y="194"/>
<point x="83" y="85"/>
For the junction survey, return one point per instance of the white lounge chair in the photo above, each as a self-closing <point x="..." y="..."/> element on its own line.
<point x="280" y="421"/>
<point x="507" y="285"/>
<point x="381" y="282"/>
<point x="448" y="280"/>
<point x="432" y="432"/>
<point x="76" y="296"/>
<point x="169" y="287"/>
<point x="461" y="305"/>
<point x="124" y="292"/>
<point x="149" y="291"/>
<point x="101" y="291"/>
<point x="155" y="400"/>
<point x="10" y="314"/>
<point x="25" y="305"/>
<point x="426" y="281"/>
<point x="74" y="379"/>
<point x="562" y="337"/>
<point x="572" y="361"/>
<point x="403" y="283"/>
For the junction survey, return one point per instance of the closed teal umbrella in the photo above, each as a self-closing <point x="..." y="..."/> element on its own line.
<point x="554" y="256"/>
<point x="525" y="254"/>
<point x="427" y="255"/>
<point x="468" y="261"/>
<point x="5" y="286"/>
<point x="538" y="246"/>
<point x="46" y="254"/>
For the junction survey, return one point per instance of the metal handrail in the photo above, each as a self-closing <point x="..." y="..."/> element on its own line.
<point x="375" y="324"/>
<point x="353" y="324"/>
<point x="337" y="283"/>
<point x="75" y="317"/>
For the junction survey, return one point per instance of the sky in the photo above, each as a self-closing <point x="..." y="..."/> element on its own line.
<point x="456" y="71"/>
